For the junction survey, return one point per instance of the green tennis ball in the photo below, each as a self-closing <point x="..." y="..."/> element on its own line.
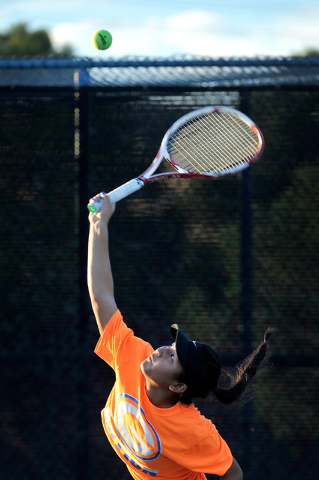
<point x="102" y="39"/>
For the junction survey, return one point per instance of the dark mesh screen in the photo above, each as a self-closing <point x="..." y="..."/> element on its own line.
<point x="223" y="258"/>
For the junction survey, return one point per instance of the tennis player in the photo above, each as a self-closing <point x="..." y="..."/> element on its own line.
<point x="149" y="417"/>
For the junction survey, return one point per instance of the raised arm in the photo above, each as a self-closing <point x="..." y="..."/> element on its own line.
<point x="99" y="273"/>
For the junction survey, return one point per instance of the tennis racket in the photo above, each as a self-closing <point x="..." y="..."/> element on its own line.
<point x="209" y="142"/>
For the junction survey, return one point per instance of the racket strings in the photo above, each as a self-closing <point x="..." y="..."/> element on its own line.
<point x="221" y="151"/>
<point x="207" y="154"/>
<point x="218" y="147"/>
<point x="235" y="136"/>
<point x="213" y="143"/>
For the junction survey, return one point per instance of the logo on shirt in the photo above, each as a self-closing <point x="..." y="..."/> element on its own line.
<point x="133" y="436"/>
<point x="136" y="432"/>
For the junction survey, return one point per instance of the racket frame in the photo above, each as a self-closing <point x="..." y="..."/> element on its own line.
<point x="147" y="176"/>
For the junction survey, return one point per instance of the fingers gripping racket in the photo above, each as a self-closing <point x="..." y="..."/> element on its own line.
<point x="207" y="143"/>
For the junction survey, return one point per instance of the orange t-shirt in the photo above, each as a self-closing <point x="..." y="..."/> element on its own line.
<point x="166" y="443"/>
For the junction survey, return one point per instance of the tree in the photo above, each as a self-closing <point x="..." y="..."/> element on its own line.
<point x="308" y="52"/>
<point x="19" y="41"/>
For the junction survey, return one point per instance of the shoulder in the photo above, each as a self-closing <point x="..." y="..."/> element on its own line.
<point x="118" y="342"/>
<point x="193" y="416"/>
<point x="203" y="428"/>
<point x="198" y="443"/>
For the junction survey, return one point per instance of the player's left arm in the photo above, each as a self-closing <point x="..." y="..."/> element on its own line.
<point x="234" y="472"/>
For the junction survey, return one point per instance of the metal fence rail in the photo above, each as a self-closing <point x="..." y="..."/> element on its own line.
<point x="172" y="72"/>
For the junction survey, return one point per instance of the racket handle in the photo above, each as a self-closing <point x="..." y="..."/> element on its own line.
<point x="125" y="190"/>
<point x="95" y="207"/>
<point x="117" y="194"/>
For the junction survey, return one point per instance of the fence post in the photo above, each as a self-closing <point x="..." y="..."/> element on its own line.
<point x="83" y="344"/>
<point x="247" y="294"/>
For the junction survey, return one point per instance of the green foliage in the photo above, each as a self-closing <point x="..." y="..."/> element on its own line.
<point x="286" y="221"/>
<point x="19" y="41"/>
<point x="308" y="52"/>
<point x="175" y="249"/>
<point x="286" y="283"/>
<point x="298" y="414"/>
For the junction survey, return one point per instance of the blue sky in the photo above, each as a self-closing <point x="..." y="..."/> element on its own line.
<point x="163" y="28"/>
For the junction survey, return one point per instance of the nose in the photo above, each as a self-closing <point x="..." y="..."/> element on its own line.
<point x="159" y="352"/>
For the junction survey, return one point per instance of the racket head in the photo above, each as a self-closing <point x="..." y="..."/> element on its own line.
<point x="212" y="141"/>
<point x="209" y="142"/>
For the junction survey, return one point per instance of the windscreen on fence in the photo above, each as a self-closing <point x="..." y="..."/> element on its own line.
<point x="223" y="258"/>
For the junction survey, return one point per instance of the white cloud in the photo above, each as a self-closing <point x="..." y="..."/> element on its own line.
<point x="295" y="32"/>
<point x="78" y="34"/>
<point x="129" y="40"/>
<point x="203" y="33"/>
<point x="192" y="32"/>
<point x="193" y="21"/>
<point x="195" y="32"/>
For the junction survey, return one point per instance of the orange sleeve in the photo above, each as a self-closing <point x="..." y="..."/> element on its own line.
<point x="116" y="341"/>
<point x="201" y="447"/>
<point x="218" y="455"/>
<point x="212" y="455"/>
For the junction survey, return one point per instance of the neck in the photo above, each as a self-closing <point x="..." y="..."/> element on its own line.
<point x="161" y="398"/>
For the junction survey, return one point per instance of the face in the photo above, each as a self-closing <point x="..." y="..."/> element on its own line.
<point x="162" y="367"/>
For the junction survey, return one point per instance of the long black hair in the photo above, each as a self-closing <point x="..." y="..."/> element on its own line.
<point x="228" y="388"/>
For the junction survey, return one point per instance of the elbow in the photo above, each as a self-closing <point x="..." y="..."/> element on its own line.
<point x="234" y="473"/>
<point x="96" y="298"/>
<point x="98" y="292"/>
<point x="238" y="473"/>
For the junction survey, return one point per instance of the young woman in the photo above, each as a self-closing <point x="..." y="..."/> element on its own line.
<point x="149" y="417"/>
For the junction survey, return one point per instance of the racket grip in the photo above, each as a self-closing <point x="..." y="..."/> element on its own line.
<point x="125" y="190"/>
<point x="117" y="194"/>
<point x="95" y="207"/>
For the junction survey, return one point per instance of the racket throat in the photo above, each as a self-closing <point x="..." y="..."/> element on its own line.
<point x="176" y="166"/>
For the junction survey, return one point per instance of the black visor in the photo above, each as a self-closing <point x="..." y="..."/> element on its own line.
<point x="189" y="353"/>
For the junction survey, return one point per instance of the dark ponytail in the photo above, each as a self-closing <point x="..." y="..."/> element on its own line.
<point x="239" y="383"/>
<point x="226" y="387"/>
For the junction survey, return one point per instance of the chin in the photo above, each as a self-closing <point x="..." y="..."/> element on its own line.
<point x="143" y="366"/>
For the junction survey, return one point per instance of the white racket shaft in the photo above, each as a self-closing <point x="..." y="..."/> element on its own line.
<point x="117" y="194"/>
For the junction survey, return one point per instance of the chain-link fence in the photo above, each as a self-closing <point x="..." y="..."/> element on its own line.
<point x="224" y="258"/>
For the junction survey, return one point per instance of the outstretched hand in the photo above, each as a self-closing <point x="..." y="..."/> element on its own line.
<point x="106" y="211"/>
